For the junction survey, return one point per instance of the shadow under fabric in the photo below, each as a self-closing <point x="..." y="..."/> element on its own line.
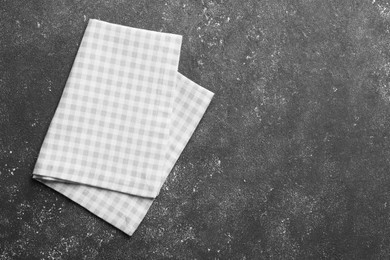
<point x="123" y="120"/>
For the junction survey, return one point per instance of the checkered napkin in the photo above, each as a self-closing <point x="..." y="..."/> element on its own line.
<point x="124" y="118"/>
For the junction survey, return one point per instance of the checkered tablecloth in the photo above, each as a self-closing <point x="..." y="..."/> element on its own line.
<point x="124" y="118"/>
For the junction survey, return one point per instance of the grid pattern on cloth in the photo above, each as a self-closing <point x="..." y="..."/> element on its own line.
<point x="111" y="127"/>
<point x="123" y="120"/>
<point x="126" y="211"/>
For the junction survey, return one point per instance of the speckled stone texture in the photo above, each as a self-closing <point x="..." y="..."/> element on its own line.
<point x="292" y="158"/>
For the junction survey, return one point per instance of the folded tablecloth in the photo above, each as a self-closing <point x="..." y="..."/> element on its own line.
<point x="124" y="118"/>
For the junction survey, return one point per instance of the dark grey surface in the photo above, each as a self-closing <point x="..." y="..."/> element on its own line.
<point x="291" y="160"/>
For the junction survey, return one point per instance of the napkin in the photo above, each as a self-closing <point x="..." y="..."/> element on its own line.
<point x="124" y="118"/>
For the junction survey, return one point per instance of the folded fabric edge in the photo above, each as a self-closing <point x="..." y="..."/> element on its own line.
<point x="127" y="227"/>
<point x="178" y="38"/>
<point x="133" y="28"/>
<point x="150" y="195"/>
<point x="47" y="179"/>
<point x="198" y="88"/>
<point x="207" y="96"/>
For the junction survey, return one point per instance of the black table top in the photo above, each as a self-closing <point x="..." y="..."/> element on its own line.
<point x="291" y="160"/>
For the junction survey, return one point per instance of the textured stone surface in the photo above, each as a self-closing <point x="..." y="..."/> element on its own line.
<point x="291" y="161"/>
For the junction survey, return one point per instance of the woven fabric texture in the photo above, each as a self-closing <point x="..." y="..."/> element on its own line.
<point x="123" y="120"/>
